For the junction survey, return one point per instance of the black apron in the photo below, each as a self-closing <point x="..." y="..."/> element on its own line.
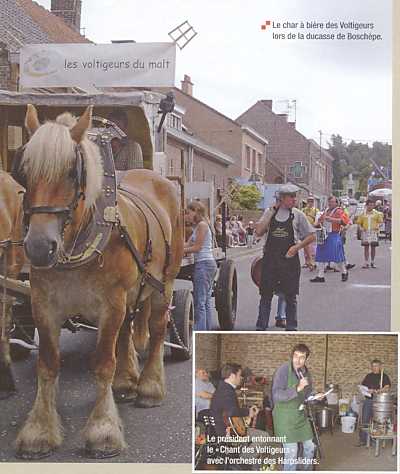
<point x="280" y="274"/>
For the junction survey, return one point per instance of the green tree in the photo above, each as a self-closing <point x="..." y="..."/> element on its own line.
<point x="359" y="159"/>
<point x="246" y="197"/>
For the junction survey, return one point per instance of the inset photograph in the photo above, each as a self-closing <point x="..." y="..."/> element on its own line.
<point x="295" y="402"/>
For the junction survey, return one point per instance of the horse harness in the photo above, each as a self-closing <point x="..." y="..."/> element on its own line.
<point x="91" y="243"/>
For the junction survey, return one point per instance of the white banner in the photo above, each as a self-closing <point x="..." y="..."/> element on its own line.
<point x="98" y="65"/>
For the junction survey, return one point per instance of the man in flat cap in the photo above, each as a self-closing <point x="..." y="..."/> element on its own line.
<point x="288" y="231"/>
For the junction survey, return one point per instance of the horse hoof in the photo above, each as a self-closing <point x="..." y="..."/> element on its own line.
<point x="26" y="455"/>
<point x="99" y="454"/>
<point x="124" y="396"/>
<point x="147" y="402"/>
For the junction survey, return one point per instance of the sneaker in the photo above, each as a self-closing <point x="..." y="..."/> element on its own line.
<point x="345" y="276"/>
<point x="366" y="265"/>
<point x="349" y="266"/>
<point x="318" y="280"/>
<point x="280" y="323"/>
<point x="373" y="265"/>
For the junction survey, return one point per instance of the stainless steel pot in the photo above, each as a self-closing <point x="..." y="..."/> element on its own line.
<point x="324" y="418"/>
<point x="382" y="407"/>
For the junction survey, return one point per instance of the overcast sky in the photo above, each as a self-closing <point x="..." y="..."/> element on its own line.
<point x="340" y="87"/>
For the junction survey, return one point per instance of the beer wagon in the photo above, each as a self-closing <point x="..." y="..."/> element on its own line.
<point x="146" y="113"/>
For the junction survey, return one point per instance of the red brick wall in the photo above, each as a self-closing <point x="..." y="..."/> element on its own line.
<point x="350" y="357"/>
<point x="207" y="351"/>
<point x="213" y="128"/>
<point x="286" y="144"/>
<point x="348" y="361"/>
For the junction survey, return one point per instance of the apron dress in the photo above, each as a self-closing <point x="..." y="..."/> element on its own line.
<point x="289" y="421"/>
<point x="280" y="274"/>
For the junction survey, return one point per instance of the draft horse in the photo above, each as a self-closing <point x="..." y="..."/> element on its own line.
<point x="11" y="261"/>
<point x="63" y="173"/>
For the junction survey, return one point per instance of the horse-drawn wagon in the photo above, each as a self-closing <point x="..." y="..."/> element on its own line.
<point x="146" y="128"/>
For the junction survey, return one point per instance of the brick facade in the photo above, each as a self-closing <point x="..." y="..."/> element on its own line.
<point x="347" y="357"/>
<point x="224" y="134"/>
<point x="69" y="11"/>
<point x="288" y="147"/>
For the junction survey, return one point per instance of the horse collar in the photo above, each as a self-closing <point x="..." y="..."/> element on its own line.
<point x="91" y="242"/>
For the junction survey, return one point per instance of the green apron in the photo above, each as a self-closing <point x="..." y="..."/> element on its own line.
<point x="289" y="421"/>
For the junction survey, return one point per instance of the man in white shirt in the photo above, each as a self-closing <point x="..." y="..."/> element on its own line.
<point x="204" y="390"/>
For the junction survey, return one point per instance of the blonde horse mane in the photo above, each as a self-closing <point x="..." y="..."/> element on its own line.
<point x="50" y="154"/>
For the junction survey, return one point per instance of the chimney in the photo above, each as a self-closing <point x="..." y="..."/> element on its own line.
<point x="267" y="103"/>
<point x="187" y="85"/>
<point x="69" y="11"/>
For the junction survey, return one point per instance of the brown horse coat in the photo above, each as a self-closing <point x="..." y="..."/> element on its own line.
<point x="100" y="291"/>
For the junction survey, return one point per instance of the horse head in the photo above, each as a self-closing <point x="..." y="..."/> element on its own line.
<point x="62" y="172"/>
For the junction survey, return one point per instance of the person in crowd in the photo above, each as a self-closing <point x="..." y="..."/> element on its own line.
<point x="310" y="212"/>
<point x="331" y="249"/>
<point x="250" y="234"/>
<point x="343" y="233"/>
<point x="288" y="231"/>
<point x="369" y="223"/>
<point x="218" y="229"/>
<point x="291" y="386"/>
<point x="203" y="390"/>
<point x="387" y="219"/>
<point x="233" y="228"/>
<point x="378" y="206"/>
<point x="200" y="245"/>
<point x="376" y="382"/>
<point x="127" y="152"/>
<point x="242" y="231"/>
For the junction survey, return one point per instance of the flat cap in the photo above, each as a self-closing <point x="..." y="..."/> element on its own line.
<point x="288" y="189"/>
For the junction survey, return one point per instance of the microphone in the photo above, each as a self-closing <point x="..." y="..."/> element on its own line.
<point x="300" y="373"/>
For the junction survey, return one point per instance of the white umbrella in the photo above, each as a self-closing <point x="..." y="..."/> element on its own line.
<point x="384" y="192"/>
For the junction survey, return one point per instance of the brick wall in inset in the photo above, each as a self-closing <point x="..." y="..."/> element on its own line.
<point x="207" y="351"/>
<point x="347" y="362"/>
<point x="266" y="352"/>
<point x="350" y="358"/>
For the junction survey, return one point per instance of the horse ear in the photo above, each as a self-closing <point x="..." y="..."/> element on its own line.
<point x="78" y="130"/>
<point x="31" y="119"/>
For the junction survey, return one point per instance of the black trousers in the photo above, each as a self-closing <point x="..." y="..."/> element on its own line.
<point x="264" y="311"/>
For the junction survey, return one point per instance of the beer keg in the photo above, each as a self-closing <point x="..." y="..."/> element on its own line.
<point x="382" y="407"/>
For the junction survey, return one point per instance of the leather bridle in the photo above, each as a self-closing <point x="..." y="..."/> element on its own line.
<point x="63" y="212"/>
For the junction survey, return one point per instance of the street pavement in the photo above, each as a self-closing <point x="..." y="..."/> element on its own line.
<point x="154" y="435"/>
<point x="360" y="304"/>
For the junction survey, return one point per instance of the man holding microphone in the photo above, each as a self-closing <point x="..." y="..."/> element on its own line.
<point x="291" y="386"/>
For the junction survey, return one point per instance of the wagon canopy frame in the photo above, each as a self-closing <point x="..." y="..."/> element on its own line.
<point x="142" y="108"/>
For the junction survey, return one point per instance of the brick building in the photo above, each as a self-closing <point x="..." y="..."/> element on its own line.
<point x="242" y="143"/>
<point x="190" y="157"/>
<point x="302" y="161"/>
<point x="24" y="21"/>
<point x="342" y="359"/>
